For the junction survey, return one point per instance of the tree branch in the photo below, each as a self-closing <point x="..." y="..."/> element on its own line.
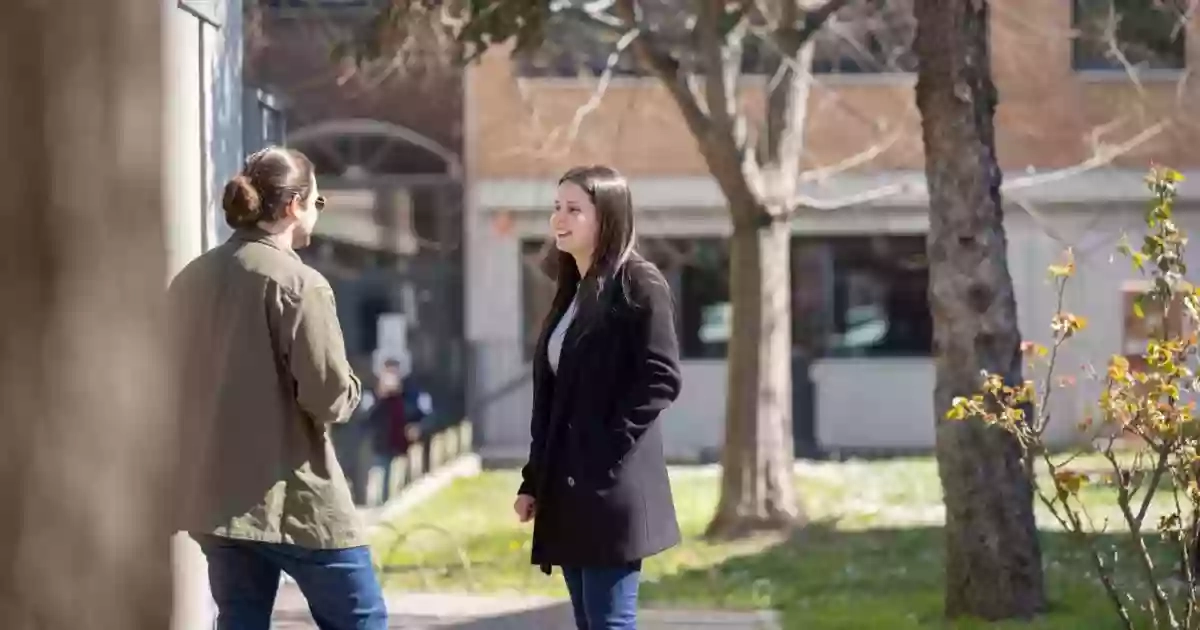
<point x="816" y="18"/>
<point x="597" y="16"/>
<point x="652" y="56"/>
<point x="1101" y="158"/>
<point x="854" y="161"/>
<point x="602" y="86"/>
<point x="719" y="88"/>
<point x="875" y="194"/>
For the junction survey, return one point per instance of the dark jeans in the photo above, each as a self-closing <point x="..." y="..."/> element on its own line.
<point x="339" y="584"/>
<point x="604" y="598"/>
<point x="384" y="461"/>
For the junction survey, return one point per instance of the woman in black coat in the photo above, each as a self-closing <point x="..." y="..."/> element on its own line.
<point x="606" y="366"/>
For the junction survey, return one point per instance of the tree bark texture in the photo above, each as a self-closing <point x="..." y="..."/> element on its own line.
<point x="84" y="538"/>
<point x="757" y="487"/>
<point x="993" y="558"/>
<point x="757" y="480"/>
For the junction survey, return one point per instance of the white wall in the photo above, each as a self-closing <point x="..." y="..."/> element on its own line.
<point x="204" y="133"/>
<point x="203" y="52"/>
<point x="898" y="392"/>
<point x="185" y="129"/>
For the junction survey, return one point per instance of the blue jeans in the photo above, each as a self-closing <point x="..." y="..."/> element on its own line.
<point x="604" y="598"/>
<point x="339" y="584"/>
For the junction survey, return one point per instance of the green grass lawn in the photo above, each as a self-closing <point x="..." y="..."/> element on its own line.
<point x="871" y="556"/>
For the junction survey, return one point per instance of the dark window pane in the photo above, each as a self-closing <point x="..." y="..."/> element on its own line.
<point x="851" y="295"/>
<point x="703" y="268"/>
<point x="867" y="36"/>
<point x="1146" y="34"/>
<point x="537" y="294"/>
<point x="861" y="296"/>
<point x="571" y="49"/>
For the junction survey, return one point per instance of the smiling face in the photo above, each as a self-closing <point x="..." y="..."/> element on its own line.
<point x="574" y="223"/>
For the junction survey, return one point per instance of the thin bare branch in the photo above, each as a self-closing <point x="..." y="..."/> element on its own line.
<point x="854" y="161"/>
<point x="719" y="88"/>
<point x="1160" y="467"/>
<point x="816" y="18"/>
<point x="654" y="57"/>
<point x="602" y="85"/>
<point x="1114" y="50"/>
<point x="801" y="201"/>
<point x="1077" y="247"/>
<point x="1101" y="158"/>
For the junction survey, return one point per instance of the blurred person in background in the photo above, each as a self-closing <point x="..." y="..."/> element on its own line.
<point x="400" y="408"/>
<point x="606" y="366"/>
<point x="264" y="375"/>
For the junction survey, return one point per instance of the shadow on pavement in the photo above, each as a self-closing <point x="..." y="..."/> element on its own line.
<point x="545" y="615"/>
<point x="443" y="612"/>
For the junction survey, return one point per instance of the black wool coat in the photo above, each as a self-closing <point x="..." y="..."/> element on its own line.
<point x="596" y="466"/>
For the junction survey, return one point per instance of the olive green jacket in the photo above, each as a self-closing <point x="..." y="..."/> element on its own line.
<point x="262" y="374"/>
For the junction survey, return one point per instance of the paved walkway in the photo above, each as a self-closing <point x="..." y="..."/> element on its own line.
<point x="469" y="612"/>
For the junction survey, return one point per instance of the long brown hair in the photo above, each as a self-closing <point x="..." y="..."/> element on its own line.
<point x="616" y="245"/>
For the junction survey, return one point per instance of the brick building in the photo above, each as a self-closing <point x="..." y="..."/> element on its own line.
<point x="864" y="371"/>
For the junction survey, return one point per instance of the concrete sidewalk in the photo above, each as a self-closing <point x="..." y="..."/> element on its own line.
<point x="472" y="612"/>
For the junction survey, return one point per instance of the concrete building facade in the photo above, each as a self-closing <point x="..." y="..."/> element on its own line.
<point x="205" y="147"/>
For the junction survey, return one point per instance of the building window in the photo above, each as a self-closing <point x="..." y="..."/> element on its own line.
<point x="272" y="127"/>
<point x="1118" y="34"/>
<point x="867" y="37"/>
<point x="698" y="272"/>
<point x="861" y="296"/>
<point x="852" y="296"/>
<point x="571" y="49"/>
<point x="537" y="294"/>
<point x="264" y="121"/>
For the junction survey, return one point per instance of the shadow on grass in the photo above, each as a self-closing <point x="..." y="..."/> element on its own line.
<point x="824" y="578"/>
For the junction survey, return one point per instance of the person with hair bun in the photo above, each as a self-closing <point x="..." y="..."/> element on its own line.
<point x="263" y="374"/>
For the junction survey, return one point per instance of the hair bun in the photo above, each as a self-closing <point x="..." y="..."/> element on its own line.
<point x="242" y="203"/>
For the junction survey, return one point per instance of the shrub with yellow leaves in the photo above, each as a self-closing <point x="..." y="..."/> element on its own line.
<point x="1147" y="400"/>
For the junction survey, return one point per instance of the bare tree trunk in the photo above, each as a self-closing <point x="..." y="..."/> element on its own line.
<point x="993" y="558"/>
<point x="757" y="482"/>
<point x="757" y="487"/>
<point x="84" y="541"/>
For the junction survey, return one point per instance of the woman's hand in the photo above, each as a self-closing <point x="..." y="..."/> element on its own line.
<point x="525" y="507"/>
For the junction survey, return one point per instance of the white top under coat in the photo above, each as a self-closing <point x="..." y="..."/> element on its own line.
<point x="555" y="343"/>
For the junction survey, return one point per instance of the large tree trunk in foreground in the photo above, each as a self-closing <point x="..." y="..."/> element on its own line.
<point x="757" y="481"/>
<point x="993" y="559"/>
<point x="87" y="438"/>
